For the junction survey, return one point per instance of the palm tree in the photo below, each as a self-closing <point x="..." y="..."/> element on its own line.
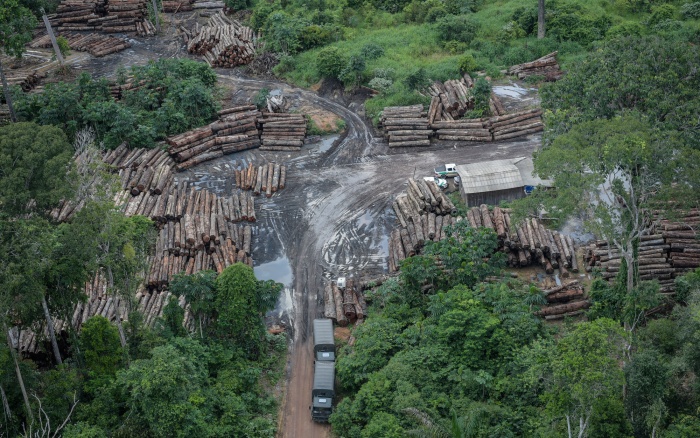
<point x="465" y="426"/>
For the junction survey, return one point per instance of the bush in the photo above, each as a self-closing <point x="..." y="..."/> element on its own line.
<point x="660" y="14"/>
<point x="416" y="79"/>
<point x="330" y="62"/>
<point x="63" y="46"/>
<point x="372" y="51"/>
<point x="285" y="65"/>
<point x="510" y="31"/>
<point x="380" y="84"/>
<point x="628" y="28"/>
<point x="526" y="17"/>
<point x="457" y="27"/>
<point x="455" y="47"/>
<point x="435" y="13"/>
<point x="467" y="64"/>
<point x="260" y="99"/>
<point x="314" y="36"/>
<point x="352" y="72"/>
<point x="690" y="10"/>
<point x="384" y="73"/>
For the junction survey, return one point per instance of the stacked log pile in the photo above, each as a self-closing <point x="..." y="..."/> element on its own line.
<point x="491" y="129"/>
<point x="344" y="305"/>
<point x="177" y="6"/>
<point x="282" y="132"/>
<point x="96" y="44"/>
<point x="205" y="237"/>
<point x="109" y="16"/>
<point x="463" y="130"/>
<point x="516" y="124"/>
<point x="406" y="126"/>
<point x="265" y="179"/>
<point x="27" y="79"/>
<point x="423" y="215"/>
<point x="453" y="98"/>
<point x="564" y="301"/>
<point x="234" y="131"/>
<point x="672" y="251"/>
<point x="546" y="66"/>
<point x="222" y="42"/>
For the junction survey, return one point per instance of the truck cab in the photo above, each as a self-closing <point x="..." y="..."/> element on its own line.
<point x="323" y="391"/>
<point x="448" y="170"/>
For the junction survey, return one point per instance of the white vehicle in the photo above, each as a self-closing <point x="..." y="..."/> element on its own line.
<point x="440" y="182"/>
<point x="448" y="170"/>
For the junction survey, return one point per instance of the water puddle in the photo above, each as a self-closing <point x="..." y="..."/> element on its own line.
<point x="513" y="91"/>
<point x="280" y="271"/>
<point x="325" y="144"/>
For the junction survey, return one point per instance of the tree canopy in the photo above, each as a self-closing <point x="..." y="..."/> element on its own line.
<point x="34" y="161"/>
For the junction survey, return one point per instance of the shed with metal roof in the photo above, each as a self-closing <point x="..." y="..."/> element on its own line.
<point x="491" y="182"/>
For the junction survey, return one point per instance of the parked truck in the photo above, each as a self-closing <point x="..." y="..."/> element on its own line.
<point x="323" y="391"/>
<point x="448" y="170"/>
<point x="324" y="343"/>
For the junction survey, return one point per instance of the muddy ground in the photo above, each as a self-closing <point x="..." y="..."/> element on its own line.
<point x="334" y="215"/>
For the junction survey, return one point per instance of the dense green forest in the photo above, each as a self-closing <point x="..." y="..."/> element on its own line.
<point x="471" y="360"/>
<point x="450" y="347"/>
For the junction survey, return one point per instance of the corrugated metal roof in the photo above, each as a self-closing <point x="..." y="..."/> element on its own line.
<point x="527" y="167"/>
<point x="489" y="176"/>
<point x="323" y="335"/>
<point x="324" y="378"/>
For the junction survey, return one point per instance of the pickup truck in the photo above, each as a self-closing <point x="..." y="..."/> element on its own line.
<point x="440" y="182"/>
<point x="447" y="170"/>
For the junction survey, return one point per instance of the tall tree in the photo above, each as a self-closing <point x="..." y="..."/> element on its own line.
<point x="540" y="19"/>
<point x="16" y="25"/>
<point x="34" y="162"/>
<point x="584" y="372"/>
<point x="613" y="173"/>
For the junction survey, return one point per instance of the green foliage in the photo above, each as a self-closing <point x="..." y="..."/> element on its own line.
<point x="482" y="95"/>
<point x="83" y="430"/>
<point x="584" y="372"/>
<point x="239" y="5"/>
<point x="34" y="162"/>
<point x="647" y="383"/>
<point x="660" y="13"/>
<point x="199" y="292"/>
<point x="16" y="25"/>
<point x="176" y="95"/>
<point x="63" y="46"/>
<point x="260" y="98"/>
<point x="284" y="32"/>
<point x="380" y="84"/>
<point x="371" y="51"/>
<point x="467" y="63"/>
<point x="102" y="351"/>
<point x="597" y="87"/>
<point x="526" y="17"/>
<point x="461" y="28"/>
<point x="416" y="79"/>
<point x="570" y="21"/>
<point x="240" y="302"/>
<point x="690" y="11"/>
<point x="353" y="70"/>
<point x="330" y="62"/>
<point x="446" y="357"/>
<point x="165" y="392"/>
